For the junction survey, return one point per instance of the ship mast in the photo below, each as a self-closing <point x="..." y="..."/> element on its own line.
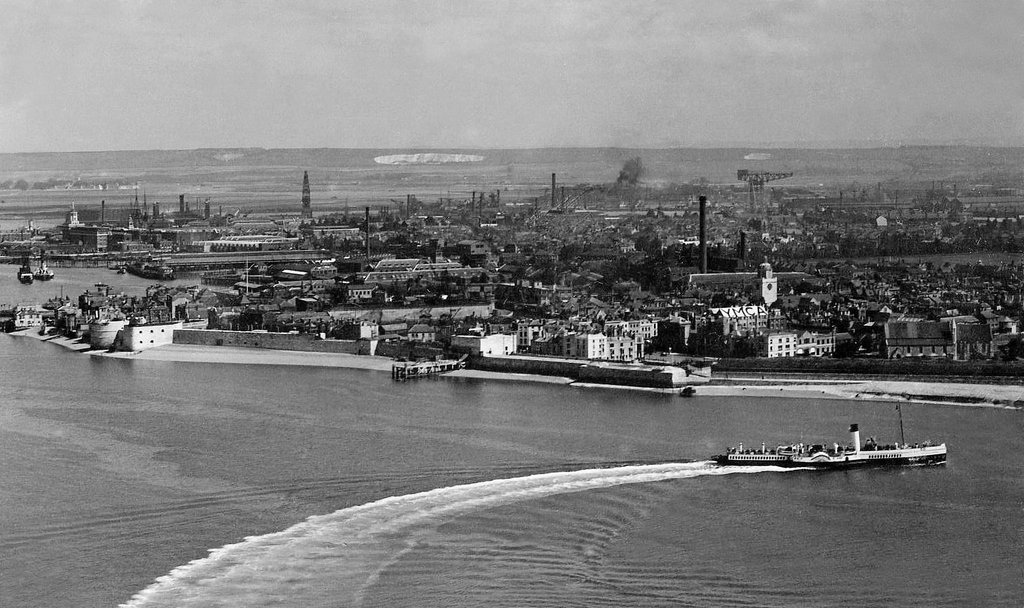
<point x="903" y="440"/>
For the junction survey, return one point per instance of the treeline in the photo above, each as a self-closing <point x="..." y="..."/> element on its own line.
<point x="22" y="184"/>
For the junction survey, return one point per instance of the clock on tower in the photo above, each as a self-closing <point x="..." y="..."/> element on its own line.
<point x="769" y="284"/>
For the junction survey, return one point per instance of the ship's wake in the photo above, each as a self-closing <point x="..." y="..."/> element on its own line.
<point x="333" y="559"/>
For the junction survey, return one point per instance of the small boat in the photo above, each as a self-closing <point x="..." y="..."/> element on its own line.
<point x="25" y="274"/>
<point x="42" y="273"/>
<point x="688" y="391"/>
<point x="836" y="456"/>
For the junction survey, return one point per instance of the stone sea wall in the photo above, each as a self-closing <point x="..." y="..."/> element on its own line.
<point x="581" y="371"/>
<point x="276" y="341"/>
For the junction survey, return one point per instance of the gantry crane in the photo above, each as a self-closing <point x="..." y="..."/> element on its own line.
<point x="757" y="179"/>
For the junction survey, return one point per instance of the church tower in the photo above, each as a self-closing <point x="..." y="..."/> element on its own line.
<point x="307" y="209"/>
<point x="71" y="217"/>
<point x="769" y="284"/>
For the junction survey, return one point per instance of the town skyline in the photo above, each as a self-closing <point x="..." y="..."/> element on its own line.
<point x="392" y="75"/>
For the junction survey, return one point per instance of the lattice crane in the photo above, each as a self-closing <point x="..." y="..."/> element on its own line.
<point x="757" y="180"/>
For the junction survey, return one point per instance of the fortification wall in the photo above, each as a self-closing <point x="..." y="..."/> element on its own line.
<point x="582" y="371"/>
<point x="412" y="314"/>
<point x="103" y="333"/>
<point x="408" y="350"/>
<point x="140" y="337"/>
<point x="527" y="365"/>
<point x="276" y="341"/>
<point x="667" y="377"/>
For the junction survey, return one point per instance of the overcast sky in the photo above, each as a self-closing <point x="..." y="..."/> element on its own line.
<point x="172" y="74"/>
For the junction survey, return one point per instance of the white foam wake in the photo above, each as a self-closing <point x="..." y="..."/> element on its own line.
<point x="331" y="559"/>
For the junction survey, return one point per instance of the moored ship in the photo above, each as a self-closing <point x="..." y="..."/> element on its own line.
<point x="42" y="272"/>
<point x="836" y="456"/>
<point x="25" y="274"/>
<point x="154" y="271"/>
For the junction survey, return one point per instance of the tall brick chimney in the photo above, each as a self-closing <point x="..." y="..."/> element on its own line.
<point x="703" y="235"/>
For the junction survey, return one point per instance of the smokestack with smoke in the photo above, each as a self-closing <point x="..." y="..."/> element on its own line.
<point x="631" y="172"/>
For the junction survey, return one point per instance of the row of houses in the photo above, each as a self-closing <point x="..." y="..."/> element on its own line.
<point x="794" y="344"/>
<point x="620" y="340"/>
<point x="951" y="338"/>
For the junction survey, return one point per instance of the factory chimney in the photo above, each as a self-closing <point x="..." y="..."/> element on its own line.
<point x="103" y="211"/>
<point x="307" y="209"/>
<point x="703" y="235"/>
<point x="552" y="190"/>
<point x="367" y="235"/>
<point x="181" y="204"/>
<point x="743" y="249"/>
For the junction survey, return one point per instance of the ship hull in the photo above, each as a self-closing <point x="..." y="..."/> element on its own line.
<point x="893" y="458"/>
<point x="156" y="273"/>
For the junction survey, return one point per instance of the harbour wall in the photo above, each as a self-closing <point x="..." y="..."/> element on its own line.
<point x="275" y="341"/>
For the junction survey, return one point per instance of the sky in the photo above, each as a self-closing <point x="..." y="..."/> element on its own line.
<point x="85" y="75"/>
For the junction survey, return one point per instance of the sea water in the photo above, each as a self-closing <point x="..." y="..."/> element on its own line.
<point x="148" y="483"/>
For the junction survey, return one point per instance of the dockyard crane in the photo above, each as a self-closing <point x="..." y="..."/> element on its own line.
<point x="756" y="181"/>
<point x="574" y="199"/>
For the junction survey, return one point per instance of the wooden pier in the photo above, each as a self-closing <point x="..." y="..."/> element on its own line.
<point x="405" y="370"/>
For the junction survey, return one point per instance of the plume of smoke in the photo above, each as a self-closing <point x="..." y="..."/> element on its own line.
<point x="631" y="172"/>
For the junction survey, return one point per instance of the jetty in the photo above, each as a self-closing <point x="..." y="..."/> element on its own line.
<point x="405" y="370"/>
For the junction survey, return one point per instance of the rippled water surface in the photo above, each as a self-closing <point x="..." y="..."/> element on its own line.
<point x="188" y="484"/>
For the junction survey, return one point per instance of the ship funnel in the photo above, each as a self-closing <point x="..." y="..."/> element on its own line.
<point x="855" y="434"/>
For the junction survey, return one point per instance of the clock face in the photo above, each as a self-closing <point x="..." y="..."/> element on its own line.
<point x="769" y="286"/>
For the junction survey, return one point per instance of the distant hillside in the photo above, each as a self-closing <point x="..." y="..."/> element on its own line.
<point x="574" y="165"/>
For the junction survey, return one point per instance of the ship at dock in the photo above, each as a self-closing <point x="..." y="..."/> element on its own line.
<point x="836" y="456"/>
<point x="151" y="270"/>
<point x="25" y="274"/>
<point x="42" y="272"/>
